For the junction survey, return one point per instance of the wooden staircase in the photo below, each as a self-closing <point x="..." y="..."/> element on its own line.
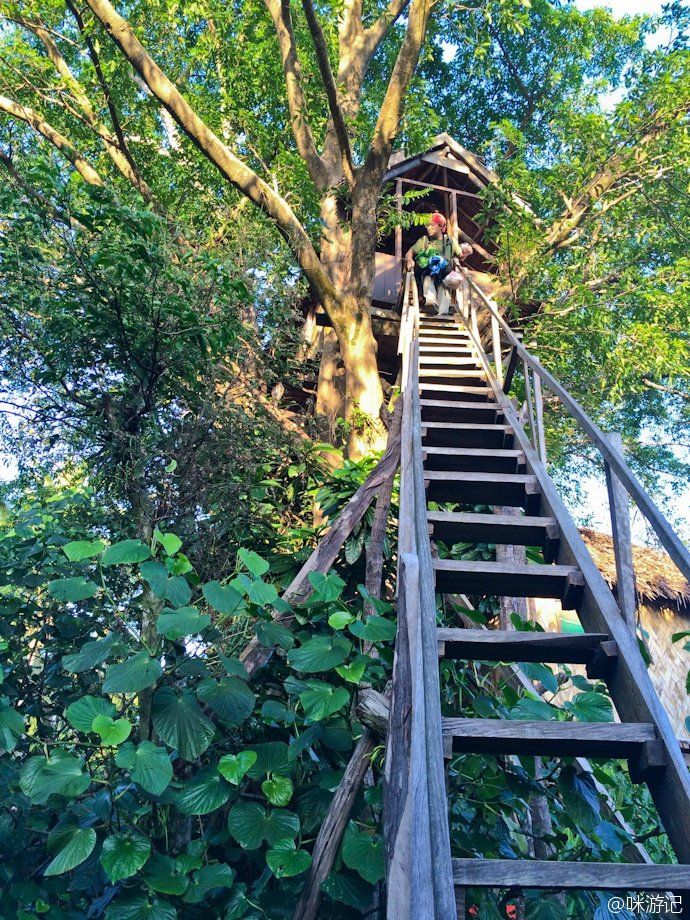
<point x="465" y="444"/>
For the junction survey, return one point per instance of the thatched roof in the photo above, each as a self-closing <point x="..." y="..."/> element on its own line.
<point x="658" y="579"/>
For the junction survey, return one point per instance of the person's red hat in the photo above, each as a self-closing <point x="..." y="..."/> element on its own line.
<point x="437" y="218"/>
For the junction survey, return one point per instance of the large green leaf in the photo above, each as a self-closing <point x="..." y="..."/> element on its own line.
<point x="319" y="654"/>
<point x="348" y="888"/>
<point x="78" y="847"/>
<point x="81" y="713"/>
<point x="112" y="732"/>
<point x="177" y="591"/>
<point x="533" y="710"/>
<point x="322" y="700"/>
<point x="375" y="629"/>
<point x="230" y="698"/>
<point x="148" y="765"/>
<point x="253" y="563"/>
<point x="156" y="575"/>
<point x="278" y="790"/>
<point x="250" y="824"/>
<point x="262" y="593"/>
<point x="165" y="875"/>
<point x="187" y="621"/>
<point x="270" y="633"/>
<point x="134" y="674"/>
<point x="285" y="860"/>
<point x="590" y="707"/>
<point x="208" y="878"/>
<point x="203" y="793"/>
<point x="78" y="550"/>
<point x="326" y="587"/>
<point x="170" y="542"/>
<point x="180" y="723"/>
<point x="90" y="655"/>
<point x="271" y="757"/>
<point x="580" y="797"/>
<point x="125" y="552"/>
<point x="124" y="854"/>
<point x="234" y="766"/>
<point x="140" y="907"/>
<point x="223" y="598"/>
<point x="363" y="853"/>
<point x="11" y="727"/>
<point x="59" y="774"/>
<point x="72" y="590"/>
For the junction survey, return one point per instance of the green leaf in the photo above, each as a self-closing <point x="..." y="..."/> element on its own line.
<point x="125" y="552"/>
<point x="177" y="591"/>
<point x="59" y="774"/>
<point x="180" y="723"/>
<point x="363" y="853"/>
<point x="140" y="907"/>
<point x="202" y="794"/>
<point x="278" y="790"/>
<point x="322" y="700"/>
<point x="253" y="563"/>
<point x="340" y="619"/>
<point x="177" y="624"/>
<point x="72" y="590"/>
<point x="171" y="467"/>
<point x="223" y="598"/>
<point x="348" y="888"/>
<point x="319" y="654"/>
<point x="326" y="587"/>
<point x="250" y="824"/>
<point x="354" y="671"/>
<point x="533" y="710"/>
<point x="270" y="634"/>
<point x="580" y="797"/>
<point x="234" y="766"/>
<point x="375" y="629"/>
<point x="90" y="655"/>
<point x="148" y="765"/>
<point x="135" y="674"/>
<point x="169" y="541"/>
<point x="590" y="707"/>
<point x="156" y="575"/>
<point x="78" y="550"/>
<point x="82" y="713"/>
<point x="271" y="757"/>
<point x="165" y="875"/>
<point x="79" y="847"/>
<point x="208" y="878"/>
<point x="11" y="728"/>
<point x="285" y="860"/>
<point x="112" y="733"/>
<point x="230" y="698"/>
<point x="262" y="593"/>
<point x="124" y="854"/>
<point x="542" y="673"/>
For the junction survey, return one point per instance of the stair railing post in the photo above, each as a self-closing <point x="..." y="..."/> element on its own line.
<point x="539" y="408"/>
<point x="619" y="507"/>
<point x="530" y="405"/>
<point x="496" y="344"/>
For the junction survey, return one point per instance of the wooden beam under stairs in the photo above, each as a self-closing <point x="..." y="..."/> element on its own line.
<point x="503" y="529"/>
<point x="518" y="490"/>
<point x="513" y="646"/>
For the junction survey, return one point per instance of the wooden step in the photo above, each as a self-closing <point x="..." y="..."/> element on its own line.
<point x="589" y="876"/>
<point x="513" y="489"/>
<point x="427" y="339"/>
<point x="504" y="529"/>
<point x="504" y="579"/>
<point x="449" y="391"/>
<point x="473" y="459"/>
<point x="511" y="645"/>
<point x="463" y="434"/>
<point x="615" y="740"/>
<point x="466" y="377"/>
<point x="457" y="410"/>
<point x="431" y="360"/>
<point x="451" y="350"/>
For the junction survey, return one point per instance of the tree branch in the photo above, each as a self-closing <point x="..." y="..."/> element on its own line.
<point x="331" y="90"/>
<point x="375" y="34"/>
<point x="58" y="140"/>
<point x="241" y="176"/>
<point x="282" y="21"/>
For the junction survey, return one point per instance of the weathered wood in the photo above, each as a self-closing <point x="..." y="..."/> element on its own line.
<point x="523" y="873"/>
<point x="473" y="459"/>
<point x="460" y="526"/>
<point x="464" y="434"/>
<point x="449" y="391"/>
<point x="539" y="410"/>
<point x="515" y="489"/>
<point x="558" y="581"/>
<point x="496" y="344"/>
<point x="437" y="410"/>
<point x="255" y="655"/>
<point x="510" y="645"/>
<point x="510" y="370"/>
<point x="551" y="739"/>
<point x="626" y="592"/>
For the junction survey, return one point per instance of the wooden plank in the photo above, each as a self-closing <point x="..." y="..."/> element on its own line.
<point x="629" y="684"/>
<point x="449" y="391"/>
<point x="459" y="411"/>
<point x="510" y="370"/>
<point x="626" y="592"/>
<point x="510" y="580"/>
<point x="539" y="410"/>
<point x="535" y="873"/>
<point x="510" y="645"/>
<point x="615" y="740"/>
<point x="513" y="489"/>
<point x="442" y="188"/>
<point x="461" y="434"/>
<point x="438" y="159"/>
<point x="460" y="527"/>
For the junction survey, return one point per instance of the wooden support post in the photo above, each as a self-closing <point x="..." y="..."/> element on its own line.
<point x="496" y="339"/>
<point x="622" y="540"/>
<point x="398" y="227"/>
<point x="539" y="408"/>
<point x="530" y="405"/>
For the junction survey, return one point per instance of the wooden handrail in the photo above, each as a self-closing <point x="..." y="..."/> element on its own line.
<point x="613" y="457"/>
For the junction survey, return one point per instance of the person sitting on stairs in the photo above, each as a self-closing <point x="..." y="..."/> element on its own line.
<point x="430" y="252"/>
